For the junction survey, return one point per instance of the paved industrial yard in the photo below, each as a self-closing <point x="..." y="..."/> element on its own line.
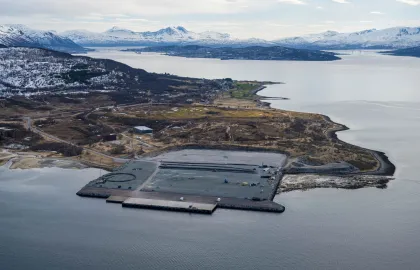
<point x="129" y="176"/>
<point x="226" y="182"/>
<point x="234" y="179"/>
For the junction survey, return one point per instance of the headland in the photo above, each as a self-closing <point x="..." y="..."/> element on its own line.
<point x="100" y="129"/>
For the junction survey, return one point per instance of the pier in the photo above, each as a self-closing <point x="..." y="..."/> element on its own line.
<point x="201" y="208"/>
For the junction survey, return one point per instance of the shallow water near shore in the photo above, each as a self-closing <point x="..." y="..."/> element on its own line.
<point x="44" y="225"/>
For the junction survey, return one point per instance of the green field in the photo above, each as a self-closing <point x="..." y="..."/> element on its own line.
<point x="244" y="90"/>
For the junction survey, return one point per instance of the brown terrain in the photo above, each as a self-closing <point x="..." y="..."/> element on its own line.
<point x="233" y="118"/>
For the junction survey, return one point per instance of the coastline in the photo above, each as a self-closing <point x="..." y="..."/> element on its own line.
<point x="385" y="168"/>
<point x="380" y="163"/>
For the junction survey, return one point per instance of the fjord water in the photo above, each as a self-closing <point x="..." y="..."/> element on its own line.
<point x="43" y="225"/>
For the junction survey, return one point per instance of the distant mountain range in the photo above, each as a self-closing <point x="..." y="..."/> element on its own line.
<point x="397" y="37"/>
<point x="22" y="36"/>
<point x="169" y="36"/>
<point x="72" y="41"/>
<point x="413" y="52"/>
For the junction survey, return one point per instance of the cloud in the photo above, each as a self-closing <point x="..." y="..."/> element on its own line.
<point x="279" y="24"/>
<point x="341" y="1"/>
<point x="319" y="7"/>
<point x="135" y="20"/>
<point x="294" y="2"/>
<point x="377" y="12"/>
<point x="410" y="2"/>
<point x="128" y="7"/>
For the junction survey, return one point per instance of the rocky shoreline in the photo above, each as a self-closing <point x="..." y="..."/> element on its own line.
<point x="385" y="168"/>
<point x="311" y="181"/>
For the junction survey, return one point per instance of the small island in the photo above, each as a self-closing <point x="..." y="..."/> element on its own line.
<point x="277" y="53"/>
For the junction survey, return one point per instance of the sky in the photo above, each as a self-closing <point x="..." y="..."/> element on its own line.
<point x="267" y="19"/>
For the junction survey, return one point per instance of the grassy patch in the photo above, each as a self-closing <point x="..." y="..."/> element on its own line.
<point x="244" y="90"/>
<point x="198" y="112"/>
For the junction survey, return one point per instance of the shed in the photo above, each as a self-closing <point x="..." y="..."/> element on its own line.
<point x="143" y="130"/>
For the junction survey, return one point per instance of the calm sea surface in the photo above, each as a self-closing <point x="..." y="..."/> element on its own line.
<point x="44" y="225"/>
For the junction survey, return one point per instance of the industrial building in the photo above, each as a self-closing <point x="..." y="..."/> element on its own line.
<point x="143" y="130"/>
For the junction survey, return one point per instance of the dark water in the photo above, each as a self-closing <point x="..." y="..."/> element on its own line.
<point x="43" y="225"/>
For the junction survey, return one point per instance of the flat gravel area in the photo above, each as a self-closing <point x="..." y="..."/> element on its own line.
<point x="211" y="183"/>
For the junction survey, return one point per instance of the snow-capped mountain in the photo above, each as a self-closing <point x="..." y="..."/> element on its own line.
<point x="396" y="37"/>
<point x="71" y="41"/>
<point x="20" y="35"/>
<point x="171" y="35"/>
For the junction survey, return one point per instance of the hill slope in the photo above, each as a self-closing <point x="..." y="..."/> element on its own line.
<point x="22" y="36"/>
<point x="33" y="72"/>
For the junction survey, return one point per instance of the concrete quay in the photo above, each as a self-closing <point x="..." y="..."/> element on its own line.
<point x="184" y="182"/>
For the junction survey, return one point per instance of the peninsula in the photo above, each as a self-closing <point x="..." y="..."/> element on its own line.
<point x="241" y="53"/>
<point x="102" y="113"/>
<point x="413" y="52"/>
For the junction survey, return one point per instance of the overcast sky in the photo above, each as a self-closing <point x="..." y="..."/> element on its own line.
<point x="268" y="19"/>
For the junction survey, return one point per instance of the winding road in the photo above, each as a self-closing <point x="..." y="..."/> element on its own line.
<point x="29" y="126"/>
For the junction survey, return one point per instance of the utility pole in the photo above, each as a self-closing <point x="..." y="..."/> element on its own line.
<point x="100" y="168"/>
<point x="132" y="146"/>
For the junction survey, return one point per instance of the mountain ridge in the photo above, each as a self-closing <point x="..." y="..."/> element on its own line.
<point x="73" y="40"/>
<point x="117" y="36"/>
<point x="17" y="35"/>
<point x="389" y="38"/>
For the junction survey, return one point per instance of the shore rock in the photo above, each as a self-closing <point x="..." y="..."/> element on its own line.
<point x="311" y="181"/>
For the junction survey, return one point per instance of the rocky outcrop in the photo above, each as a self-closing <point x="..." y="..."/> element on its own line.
<point x="311" y="181"/>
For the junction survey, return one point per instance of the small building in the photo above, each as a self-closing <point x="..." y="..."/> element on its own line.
<point x="110" y="137"/>
<point x="143" y="130"/>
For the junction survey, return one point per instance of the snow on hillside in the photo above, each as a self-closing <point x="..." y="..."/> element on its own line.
<point x="396" y="37"/>
<point x="37" y="69"/>
<point x="20" y="35"/>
